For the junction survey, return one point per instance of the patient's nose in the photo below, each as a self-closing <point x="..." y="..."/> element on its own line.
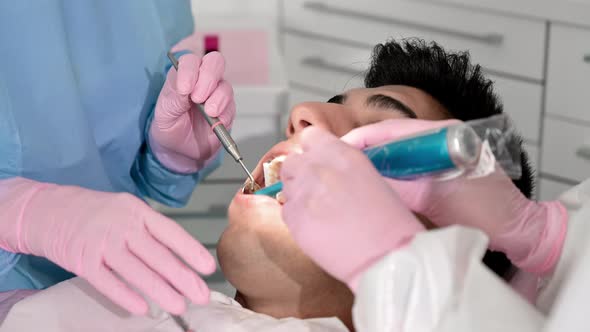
<point x="305" y="115"/>
<point x="322" y="115"/>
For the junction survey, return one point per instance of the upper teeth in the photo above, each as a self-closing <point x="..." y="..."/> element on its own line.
<point x="272" y="170"/>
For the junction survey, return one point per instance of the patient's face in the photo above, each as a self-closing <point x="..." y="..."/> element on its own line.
<point x="256" y="251"/>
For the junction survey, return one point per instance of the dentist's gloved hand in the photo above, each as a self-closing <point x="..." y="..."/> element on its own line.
<point x="530" y="233"/>
<point x="180" y="137"/>
<point x="338" y="208"/>
<point x="112" y="240"/>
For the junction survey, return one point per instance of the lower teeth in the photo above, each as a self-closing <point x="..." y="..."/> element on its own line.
<point x="271" y="171"/>
<point x="250" y="187"/>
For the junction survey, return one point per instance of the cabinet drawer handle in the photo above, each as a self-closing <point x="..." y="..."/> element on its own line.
<point x="319" y="63"/>
<point x="487" y="38"/>
<point x="584" y="151"/>
<point x="587" y="58"/>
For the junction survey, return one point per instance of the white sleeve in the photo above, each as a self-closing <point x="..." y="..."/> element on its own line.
<point x="577" y="202"/>
<point x="565" y="296"/>
<point x="438" y="283"/>
<point x="570" y="309"/>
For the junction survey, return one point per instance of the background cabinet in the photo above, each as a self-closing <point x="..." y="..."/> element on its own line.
<point x="540" y="65"/>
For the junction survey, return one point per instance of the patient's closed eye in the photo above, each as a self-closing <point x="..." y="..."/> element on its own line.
<point x="383" y="101"/>
<point x="338" y="99"/>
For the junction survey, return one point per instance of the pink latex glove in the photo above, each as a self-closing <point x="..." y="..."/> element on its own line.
<point x="111" y="240"/>
<point x="338" y="208"/>
<point x="530" y="233"/>
<point x="180" y="137"/>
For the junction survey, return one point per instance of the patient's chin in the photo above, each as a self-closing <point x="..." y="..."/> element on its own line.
<point x="232" y="258"/>
<point x="253" y="257"/>
<point x="281" y="284"/>
<point x="271" y="273"/>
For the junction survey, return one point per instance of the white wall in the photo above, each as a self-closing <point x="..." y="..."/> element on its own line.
<point x="213" y="15"/>
<point x="235" y="7"/>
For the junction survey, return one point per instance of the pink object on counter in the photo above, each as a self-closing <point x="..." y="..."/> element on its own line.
<point x="246" y="54"/>
<point x="211" y="43"/>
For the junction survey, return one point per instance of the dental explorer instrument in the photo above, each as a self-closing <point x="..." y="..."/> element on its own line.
<point x="220" y="131"/>
<point x="181" y="323"/>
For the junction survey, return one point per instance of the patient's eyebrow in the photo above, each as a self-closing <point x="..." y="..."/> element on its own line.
<point x="338" y="99"/>
<point x="384" y="101"/>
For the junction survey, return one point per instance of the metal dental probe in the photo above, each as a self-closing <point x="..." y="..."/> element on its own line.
<point x="221" y="132"/>
<point x="181" y="323"/>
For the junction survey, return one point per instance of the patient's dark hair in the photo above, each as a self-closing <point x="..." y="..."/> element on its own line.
<point x="456" y="83"/>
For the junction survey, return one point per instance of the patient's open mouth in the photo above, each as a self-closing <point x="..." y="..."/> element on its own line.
<point x="270" y="175"/>
<point x="267" y="172"/>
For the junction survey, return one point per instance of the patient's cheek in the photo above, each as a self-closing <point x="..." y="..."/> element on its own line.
<point x="259" y="257"/>
<point x="249" y="246"/>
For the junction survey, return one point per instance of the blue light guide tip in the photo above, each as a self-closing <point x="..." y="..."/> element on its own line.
<point x="271" y="190"/>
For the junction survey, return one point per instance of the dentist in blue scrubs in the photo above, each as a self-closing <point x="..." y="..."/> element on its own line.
<point x="93" y="120"/>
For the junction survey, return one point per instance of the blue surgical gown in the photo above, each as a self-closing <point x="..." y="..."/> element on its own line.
<point x="78" y="83"/>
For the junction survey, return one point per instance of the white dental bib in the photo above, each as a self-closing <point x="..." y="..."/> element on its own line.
<point x="74" y="305"/>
